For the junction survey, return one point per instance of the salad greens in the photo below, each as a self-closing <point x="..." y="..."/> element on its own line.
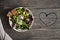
<point x="21" y="18"/>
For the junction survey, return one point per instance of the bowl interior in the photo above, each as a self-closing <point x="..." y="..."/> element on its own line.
<point x="20" y="30"/>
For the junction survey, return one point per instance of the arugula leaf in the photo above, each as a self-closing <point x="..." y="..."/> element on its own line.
<point x="18" y="10"/>
<point x="14" y="19"/>
<point x="18" y="27"/>
<point x="23" y="9"/>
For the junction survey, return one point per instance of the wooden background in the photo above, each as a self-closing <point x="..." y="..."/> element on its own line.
<point x="41" y="29"/>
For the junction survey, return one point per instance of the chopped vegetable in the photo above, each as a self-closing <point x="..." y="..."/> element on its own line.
<point x="23" y="9"/>
<point x="21" y="17"/>
<point x="18" y="10"/>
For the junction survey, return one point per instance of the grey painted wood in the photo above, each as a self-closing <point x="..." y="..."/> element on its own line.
<point x="31" y="3"/>
<point x="39" y="30"/>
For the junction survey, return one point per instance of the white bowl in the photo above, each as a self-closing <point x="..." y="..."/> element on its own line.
<point x="20" y="30"/>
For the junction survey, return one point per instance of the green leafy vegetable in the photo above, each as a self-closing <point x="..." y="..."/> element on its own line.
<point x="18" y="27"/>
<point x="18" y="10"/>
<point x="23" y="9"/>
<point x="19" y="19"/>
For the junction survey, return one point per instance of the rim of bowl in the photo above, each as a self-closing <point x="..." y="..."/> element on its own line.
<point x="21" y="30"/>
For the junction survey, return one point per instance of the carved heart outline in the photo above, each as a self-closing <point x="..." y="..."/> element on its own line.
<point x="46" y="16"/>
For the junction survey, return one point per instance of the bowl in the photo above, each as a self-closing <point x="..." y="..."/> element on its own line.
<point x="20" y="19"/>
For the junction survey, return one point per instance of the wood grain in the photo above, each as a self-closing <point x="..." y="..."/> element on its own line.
<point x="39" y="31"/>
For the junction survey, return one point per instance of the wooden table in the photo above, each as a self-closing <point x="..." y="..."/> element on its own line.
<point x="44" y="27"/>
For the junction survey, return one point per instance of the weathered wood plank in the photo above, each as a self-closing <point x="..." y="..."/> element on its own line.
<point x="39" y="30"/>
<point x="31" y="3"/>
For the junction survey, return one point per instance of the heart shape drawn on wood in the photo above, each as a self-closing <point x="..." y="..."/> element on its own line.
<point x="48" y="18"/>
